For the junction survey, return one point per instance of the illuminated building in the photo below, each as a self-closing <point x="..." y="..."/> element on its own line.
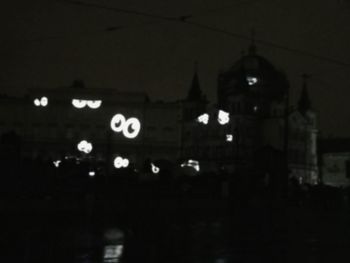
<point x="248" y="118"/>
<point x="251" y="109"/>
<point x="76" y="121"/>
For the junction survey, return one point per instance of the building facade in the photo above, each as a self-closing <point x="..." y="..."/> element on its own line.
<point x="252" y="115"/>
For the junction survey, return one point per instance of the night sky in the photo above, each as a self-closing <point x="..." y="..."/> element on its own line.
<point x="51" y="43"/>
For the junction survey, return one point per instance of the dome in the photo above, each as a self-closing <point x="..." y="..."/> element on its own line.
<point x="252" y="75"/>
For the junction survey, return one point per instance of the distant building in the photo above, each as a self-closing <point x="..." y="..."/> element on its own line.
<point x="245" y="126"/>
<point x="334" y="160"/>
<point x="253" y="95"/>
<point x="52" y="122"/>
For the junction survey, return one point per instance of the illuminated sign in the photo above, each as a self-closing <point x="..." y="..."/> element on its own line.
<point x="130" y="127"/>
<point x="92" y="104"/>
<point x="43" y="101"/>
<point x="84" y="146"/>
<point x="155" y="169"/>
<point x="229" y="137"/>
<point x="204" y="118"/>
<point x="191" y="163"/>
<point x="223" y="117"/>
<point x="120" y="162"/>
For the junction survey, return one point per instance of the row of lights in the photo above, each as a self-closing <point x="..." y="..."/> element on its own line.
<point x="223" y="118"/>
<point x="121" y="162"/>
<point x="77" y="103"/>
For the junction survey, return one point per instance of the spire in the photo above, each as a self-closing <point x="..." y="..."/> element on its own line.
<point x="304" y="101"/>
<point x="195" y="93"/>
<point x="252" y="47"/>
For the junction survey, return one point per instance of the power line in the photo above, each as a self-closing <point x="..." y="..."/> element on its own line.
<point x="184" y="19"/>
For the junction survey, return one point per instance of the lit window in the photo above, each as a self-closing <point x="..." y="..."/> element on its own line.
<point x="204" y="118"/>
<point x="252" y="80"/>
<point x="84" y="146"/>
<point x="223" y="117"/>
<point x="130" y="128"/>
<point x="191" y="163"/>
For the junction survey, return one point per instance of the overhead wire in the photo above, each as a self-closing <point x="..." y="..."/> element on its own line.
<point x="184" y="19"/>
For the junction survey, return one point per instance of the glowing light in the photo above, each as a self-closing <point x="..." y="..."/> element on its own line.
<point x="252" y="80"/>
<point x="130" y="128"/>
<point x="204" y="118"/>
<point x="223" y="117"/>
<point x="125" y="162"/>
<point x="229" y="137"/>
<point x="117" y="122"/>
<point x="92" y="173"/>
<point x="155" y="169"/>
<point x="191" y="163"/>
<point x="57" y="163"/>
<point x="94" y="104"/>
<point x="84" y="146"/>
<point x="255" y="108"/>
<point x="37" y="102"/>
<point x="120" y="162"/>
<point x="79" y="104"/>
<point x="112" y="253"/>
<point x="43" y="101"/>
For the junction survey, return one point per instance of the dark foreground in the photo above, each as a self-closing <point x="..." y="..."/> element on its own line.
<point x="184" y="229"/>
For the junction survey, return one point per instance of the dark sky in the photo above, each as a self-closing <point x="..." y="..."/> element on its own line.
<point x="50" y="43"/>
